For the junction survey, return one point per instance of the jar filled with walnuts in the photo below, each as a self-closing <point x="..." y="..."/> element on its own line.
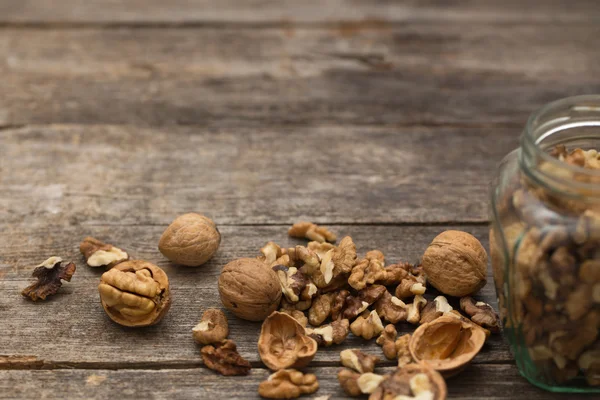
<point x="545" y="246"/>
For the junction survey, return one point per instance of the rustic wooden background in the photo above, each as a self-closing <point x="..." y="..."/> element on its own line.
<point x="381" y="119"/>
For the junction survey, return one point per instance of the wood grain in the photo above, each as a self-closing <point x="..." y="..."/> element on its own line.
<point x="260" y="11"/>
<point x="124" y="175"/>
<point x="412" y="74"/>
<point x="83" y="336"/>
<point x="493" y="382"/>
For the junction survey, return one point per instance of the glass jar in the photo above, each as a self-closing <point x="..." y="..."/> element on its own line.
<point x="545" y="247"/>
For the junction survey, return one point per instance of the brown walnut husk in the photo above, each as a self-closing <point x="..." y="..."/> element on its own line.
<point x="249" y="289"/>
<point x="49" y="275"/>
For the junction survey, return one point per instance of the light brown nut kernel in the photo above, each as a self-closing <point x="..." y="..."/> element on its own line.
<point x="403" y="350"/>
<point x="435" y="309"/>
<point x="395" y="273"/>
<point x="271" y="253"/>
<point x="283" y="343"/>
<point x="366" y="272"/>
<point x="456" y="263"/>
<point x="368" y="327"/>
<point x="320" y="248"/>
<point x="371" y="293"/>
<point x="358" y="361"/>
<point x="589" y="363"/>
<point x="292" y="282"/>
<point x="414" y="309"/>
<point x="338" y="304"/>
<point x="353" y="307"/>
<point x="191" y="240"/>
<point x="387" y="341"/>
<point x="334" y="333"/>
<point x="100" y="254"/>
<point x="212" y="328"/>
<point x="288" y="384"/>
<point x="135" y="293"/>
<point x="297" y="315"/>
<point x="311" y="231"/>
<point x="412" y="382"/>
<point x="320" y="309"/>
<point x="249" y="289"/>
<point x="391" y="308"/>
<point x="337" y="263"/>
<point x="481" y="313"/>
<point x="348" y="380"/>
<point x="49" y="275"/>
<point x="369" y="382"/>
<point x="224" y="358"/>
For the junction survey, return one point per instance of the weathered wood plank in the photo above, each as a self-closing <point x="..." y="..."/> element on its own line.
<point x="409" y="74"/>
<point x="260" y="11"/>
<point x="82" y="335"/>
<point x="494" y="382"/>
<point x="121" y="175"/>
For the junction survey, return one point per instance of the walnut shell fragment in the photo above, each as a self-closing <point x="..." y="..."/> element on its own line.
<point x="446" y="344"/>
<point x="413" y="381"/>
<point x="481" y="313"/>
<point x="283" y="343"/>
<point x="191" y="240"/>
<point x="311" y="231"/>
<point x="358" y="361"/>
<point x="288" y="384"/>
<point x="213" y="328"/>
<point x="249" y="289"/>
<point x="49" y="275"/>
<point x="100" y="254"/>
<point x="135" y="293"/>
<point x="224" y="358"/>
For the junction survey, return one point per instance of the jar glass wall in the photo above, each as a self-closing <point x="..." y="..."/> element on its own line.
<point x="545" y="246"/>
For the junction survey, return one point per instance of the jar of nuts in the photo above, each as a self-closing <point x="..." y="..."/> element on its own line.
<point x="545" y="246"/>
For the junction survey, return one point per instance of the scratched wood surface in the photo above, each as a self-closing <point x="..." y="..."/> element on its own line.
<point x="381" y="119"/>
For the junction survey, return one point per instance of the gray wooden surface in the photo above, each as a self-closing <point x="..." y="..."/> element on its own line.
<point x="383" y="120"/>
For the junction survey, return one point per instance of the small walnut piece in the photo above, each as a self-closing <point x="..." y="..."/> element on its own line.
<point x="283" y="343"/>
<point x="249" y="289"/>
<point x="297" y="315"/>
<point x="292" y="282"/>
<point x="412" y="382"/>
<point x="358" y="361"/>
<point x="414" y="309"/>
<point x="100" y="254"/>
<point x="213" y="327"/>
<point x="191" y="240"/>
<point x="348" y="380"/>
<point x="369" y="382"/>
<point x="311" y="231"/>
<point x="224" y="358"/>
<point x="403" y="351"/>
<point x="334" y="333"/>
<point x="456" y="263"/>
<point x="320" y="309"/>
<point x="387" y="341"/>
<point x="435" y="309"/>
<point x="135" y="293"/>
<point x="391" y="308"/>
<point x="481" y="313"/>
<point x="368" y="327"/>
<point x="49" y="275"/>
<point x="271" y="253"/>
<point x="288" y="384"/>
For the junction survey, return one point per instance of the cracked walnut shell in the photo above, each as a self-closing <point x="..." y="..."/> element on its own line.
<point x="135" y="293"/>
<point x="283" y="343"/>
<point x="456" y="263"/>
<point x="191" y="240"/>
<point x="249" y="289"/>
<point x="100" y="254"/>
<point x="288" y="384"/>
<point x="213" y="327"/>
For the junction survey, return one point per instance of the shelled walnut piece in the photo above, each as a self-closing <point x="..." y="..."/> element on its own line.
<point x="355" y="384"/>
<point x="387" y="341"/>
<point x="334" y="333"/>
<point x="100" y="254"/>
<point x="435" y="309"/>
<point x="367" y="326"/>
<point x="288" y="384"/>
<point x="49" y="275"/>
<point x="224" y="358"/>
<point x="213" y="327"/>
<point x="358" y="361"/>
<point x="311" y="231"/>
<point x="135" y="293"/>
<point x="481" y="313"/>
<point x="413" y="381"/>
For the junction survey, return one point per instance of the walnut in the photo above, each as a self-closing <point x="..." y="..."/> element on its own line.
<point x="371" y="293"/>
<point x="391" y="308"/>
<point x="456" y="263"/>
<point x="224" y="358"/>
<point x="334" y="333"/>
<point x="348" y="380"/>
<point x="369" y="382"/>
<point x="212" y="328"/>
<point x="414" y="309"/>
<point x="571" y="341"/>
<point x="353" y="307"/>
<point x="271" y="253"/>
<point x="435" y="309"/>
<point x="387" y="341"/>
<point x="358" y="361"/>
<point x="338" y="304"/>
<point x="446" y="344"/>
<point x="49" y="275"/>
<point x="191" y="240"/>
<point x="311" y="231"/>
<point x="304" y="259"/>
<point x="403" y="351"/>
<point x="320" y="309"/>
<point x="589" y="363"/>
<point x="297" y="315"/>
<point x="100" y="254"/>
<point x="413" y="381"/>
<point x="292" y="282"/>
<point x="249" y="289"/>
<point x="368" y="327"/>
<point x="336" y="263"/>
<point x="288" y="384"/>
<point x="395" y="273"/>
<point x="411" y="284"/>
<point x="481" y="313"/>
<point x="366" y="272"/>
<point x="283" y="343"/>
<point x="135" y="293"/>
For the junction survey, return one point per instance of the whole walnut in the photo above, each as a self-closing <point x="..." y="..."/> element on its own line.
<point x="455" y="263"/>
<point x="249" y="289"/>
<point x="191" y="240"/>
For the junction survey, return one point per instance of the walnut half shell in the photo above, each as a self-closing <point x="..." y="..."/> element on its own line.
<point x="283" y="343"/>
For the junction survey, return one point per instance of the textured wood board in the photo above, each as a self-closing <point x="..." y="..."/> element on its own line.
<point x="83" y="336"/>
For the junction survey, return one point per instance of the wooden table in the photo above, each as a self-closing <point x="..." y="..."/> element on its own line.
<point x="383" y="120"/>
